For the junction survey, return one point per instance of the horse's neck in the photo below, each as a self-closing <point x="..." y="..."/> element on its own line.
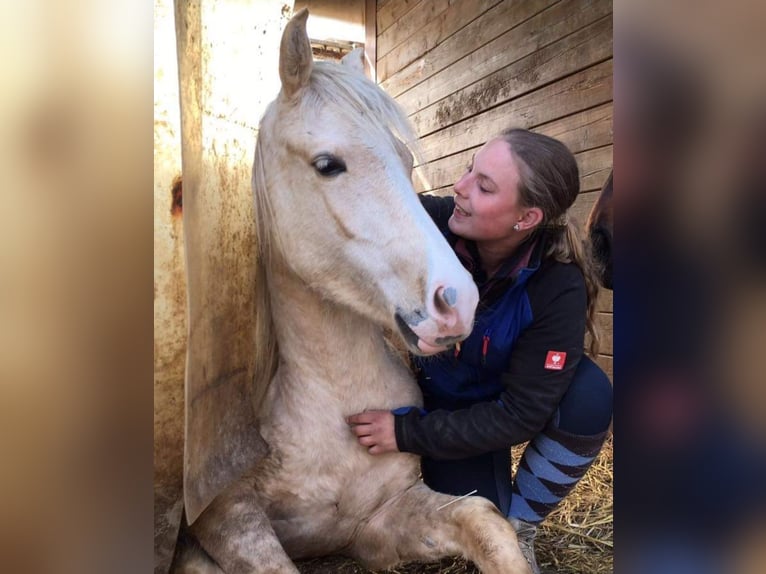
<point x="323" y="342"/>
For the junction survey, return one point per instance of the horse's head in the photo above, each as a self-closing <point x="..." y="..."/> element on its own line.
<point x="600" y="226"/>
<point x="336" y="204"/>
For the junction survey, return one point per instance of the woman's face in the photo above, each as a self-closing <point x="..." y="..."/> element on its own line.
<point x="487" y="197"/>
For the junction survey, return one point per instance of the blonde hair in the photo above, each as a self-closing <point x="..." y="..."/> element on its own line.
<point x="550" y="180"/>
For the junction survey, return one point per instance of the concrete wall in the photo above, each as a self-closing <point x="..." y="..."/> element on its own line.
<point x="206" y="120"/>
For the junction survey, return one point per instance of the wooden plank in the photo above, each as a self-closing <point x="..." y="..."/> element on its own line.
<point x="492" y="24"/>
<point x="584" y="130"/>
<point x="605" y="322"/>
<point x="594" y="167"/>
<point x="513" y="64"/>
<point x="370" y="40"/>
<point x="442" y="172"/>
<point x="570" y="54"/>
<point x="607" y="363"/>
<point x="587" y="197"/>
<point x="436" y="31"/>
<point x="528" y="37"/>
<point x="582" y="206"/>
<point x="605" y="301"/>
<point x="586" y="89"/>
<point x="405" y="28"/>
<point x="390" y="12"/>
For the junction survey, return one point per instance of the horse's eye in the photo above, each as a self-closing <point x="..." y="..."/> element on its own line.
<point x="328" y="165"/>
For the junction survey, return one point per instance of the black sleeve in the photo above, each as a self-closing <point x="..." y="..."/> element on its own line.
<point x="439" y="208"/>
<point x="532" y="393"/>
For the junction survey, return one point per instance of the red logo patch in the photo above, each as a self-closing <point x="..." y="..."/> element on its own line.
<point x="555" y="360"/>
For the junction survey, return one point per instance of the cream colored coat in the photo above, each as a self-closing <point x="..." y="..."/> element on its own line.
<point x="346" y="258"/>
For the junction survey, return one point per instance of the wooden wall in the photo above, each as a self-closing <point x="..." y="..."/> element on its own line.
<point x="464" y="70"/>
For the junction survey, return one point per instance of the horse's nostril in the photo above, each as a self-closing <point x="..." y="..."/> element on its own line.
<point x="445" y="299"/>
<point x="450" y="296"/>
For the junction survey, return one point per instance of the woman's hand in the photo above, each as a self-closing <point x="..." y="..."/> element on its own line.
<point x="374" y="430"/>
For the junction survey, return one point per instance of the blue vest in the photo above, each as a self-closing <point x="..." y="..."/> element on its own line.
<point x="453" y="380"/>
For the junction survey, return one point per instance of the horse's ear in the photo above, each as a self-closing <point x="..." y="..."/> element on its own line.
<point x="295" y="59"/>
<point x="354" y="60"/>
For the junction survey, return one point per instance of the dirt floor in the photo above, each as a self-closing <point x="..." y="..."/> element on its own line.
<point x="576" y="539"/>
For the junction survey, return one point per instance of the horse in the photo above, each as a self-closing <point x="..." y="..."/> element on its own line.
<point x="347" y="259"/>
<point x="599" y="227"/>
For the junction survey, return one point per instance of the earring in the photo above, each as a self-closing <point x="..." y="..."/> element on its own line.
<point x="515" y="226"/>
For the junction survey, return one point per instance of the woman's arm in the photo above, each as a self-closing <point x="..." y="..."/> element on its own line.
<point x="534" y="384"/>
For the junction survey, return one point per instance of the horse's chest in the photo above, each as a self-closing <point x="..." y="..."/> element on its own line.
<point x="333" y="475"/>
<point x="318" y="484"/>
<point x="318" y="501"/>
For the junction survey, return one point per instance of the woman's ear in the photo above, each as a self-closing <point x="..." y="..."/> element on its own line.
<point x="531" y="218"/>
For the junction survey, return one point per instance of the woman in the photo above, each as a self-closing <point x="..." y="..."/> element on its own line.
<point x="522" y="374"/>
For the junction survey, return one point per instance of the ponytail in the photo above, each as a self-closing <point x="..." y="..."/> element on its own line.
<point x="568" y="244"/>
<point x="550" y="180"/>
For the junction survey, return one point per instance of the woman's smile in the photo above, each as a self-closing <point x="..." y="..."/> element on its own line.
<point x="460" y="211"/>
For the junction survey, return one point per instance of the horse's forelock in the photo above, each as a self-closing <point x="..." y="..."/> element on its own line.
<point x="361" y="101"/>
<point x="350" y="95"/>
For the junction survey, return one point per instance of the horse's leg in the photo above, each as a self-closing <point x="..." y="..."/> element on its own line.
<point x="191" y="559"/>
<point x="418" y="527"/>
<point x="235" y="531"/>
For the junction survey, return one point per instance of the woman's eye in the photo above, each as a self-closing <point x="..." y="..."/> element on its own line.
<point x="328" y="165"/>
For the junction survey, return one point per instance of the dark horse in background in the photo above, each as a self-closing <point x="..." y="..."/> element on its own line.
<point x="599" y="228"/>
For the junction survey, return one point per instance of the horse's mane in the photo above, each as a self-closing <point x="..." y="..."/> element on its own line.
<point x="266" y="351"/>
<point x="373" y="112"/>
<point x="355" y="96"/>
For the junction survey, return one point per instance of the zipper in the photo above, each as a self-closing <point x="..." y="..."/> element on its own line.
<point x="485" y="346"/>
<point x="456" y="354"/>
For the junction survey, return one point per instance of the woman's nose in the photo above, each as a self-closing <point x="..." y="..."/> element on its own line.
<point x="460" y="186"/>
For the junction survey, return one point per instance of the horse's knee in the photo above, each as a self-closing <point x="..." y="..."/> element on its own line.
<point x="191" y="559"/>
<point x="478" y="506"/>
<point x="481" y="521"/>
<point x="238" y="535"/>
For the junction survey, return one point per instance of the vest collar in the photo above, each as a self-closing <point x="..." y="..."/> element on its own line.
<point x="526" y="257"/>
